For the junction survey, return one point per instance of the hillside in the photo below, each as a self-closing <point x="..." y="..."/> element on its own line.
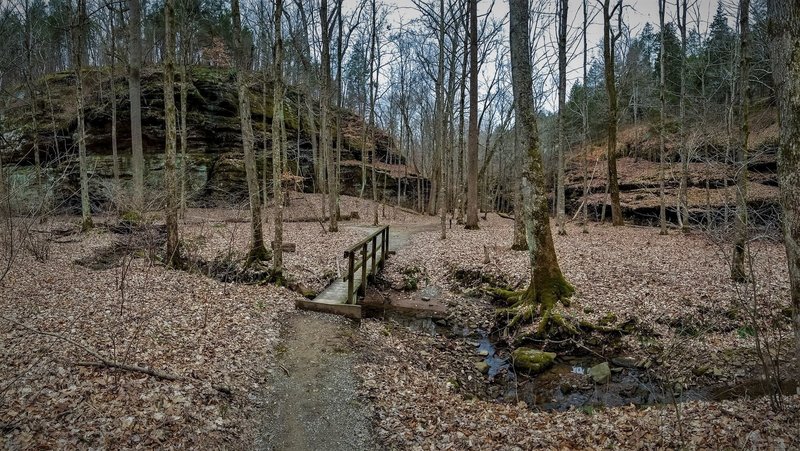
<point x="711" y="173"/>
<point x="214" y="138"/>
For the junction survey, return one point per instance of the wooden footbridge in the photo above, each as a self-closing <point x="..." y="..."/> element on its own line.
<point x="364" y="260"/>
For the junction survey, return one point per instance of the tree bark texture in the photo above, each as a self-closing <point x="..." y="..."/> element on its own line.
<point x="784" y="29"/>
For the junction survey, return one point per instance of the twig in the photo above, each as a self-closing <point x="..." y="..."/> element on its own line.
<point x="284" y="369"/>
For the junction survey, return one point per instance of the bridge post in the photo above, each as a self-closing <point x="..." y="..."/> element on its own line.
<point x="364" y="269"/>
<point x="350" y="275"/>
<point x="374" y="253"/>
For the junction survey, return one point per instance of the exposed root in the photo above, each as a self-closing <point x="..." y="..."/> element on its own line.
<point x="257" y="254"/>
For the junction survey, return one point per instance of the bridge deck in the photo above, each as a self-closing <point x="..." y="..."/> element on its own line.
<point x="334" y="298"/>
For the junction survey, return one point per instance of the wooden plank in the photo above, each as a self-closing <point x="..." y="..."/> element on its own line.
<point x="346" y="310"/>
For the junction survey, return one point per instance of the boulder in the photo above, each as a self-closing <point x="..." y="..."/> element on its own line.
<point x="482" y="367"/>
<point x="600" y="374"/>
<point x="532" y="361"/>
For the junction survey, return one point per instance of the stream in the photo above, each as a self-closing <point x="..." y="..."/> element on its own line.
<point x="567" y="384"/>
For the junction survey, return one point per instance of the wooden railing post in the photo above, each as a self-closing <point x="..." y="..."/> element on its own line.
<point x="350" y="275"/>
<point x="364" y="268"/>
<point x="385" y="243"/>
<point x="374" y="253"/>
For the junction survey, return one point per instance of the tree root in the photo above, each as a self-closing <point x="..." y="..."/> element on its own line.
<point x="256" y="255"/>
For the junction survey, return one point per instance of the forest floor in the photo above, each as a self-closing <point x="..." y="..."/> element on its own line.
<point x="229" y="344"/>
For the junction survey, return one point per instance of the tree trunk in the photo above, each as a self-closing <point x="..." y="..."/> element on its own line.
<point x="683" y="194"/>
<point x="374" y="66"/>
<point x="609" y="40"/>
<point x="585" y="119"/>
<point x="738" y="271"/>
<point x="548" y="285"/>
<point x="277" y="138"/>
<point x="184" y="138"/>
<point x="662" y="211"/>
<point x="113" y="88"/>
<point x="439" y="125"/>
<point x="325" y="103"/>
<point x="170" y="174"/>
<point x="785" y="57"/>
<point x="340" y="104"/>
<point x="79" y="31"/>
<point x="257" y="250"/>
<point x="562" y="105"/>
<point x="135" y="93"/>
<point x="472" y="137"/>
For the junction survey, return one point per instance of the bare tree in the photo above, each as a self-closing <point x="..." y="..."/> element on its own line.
<point x="610" y="37"/>
<point x="562" y="105"/>
<point x="325" y="102"/>
<point x="257" y="250"/>
<point x="472" y="138"/>
<point x="170" y="174"/>
<point x="683" y="209"/>
<point x="784" y="16"/>
<point x="662" y="95"/>
<point x="135" y="93"/>
<point x="738" y="272"/>
<point x="548" y="285"/>
<point x="79" y="51"/>
<point x="113" y="77"/>
<point x="277" y="137"/>
<point x="440" y="121"/>
<point x="585" y="118"/>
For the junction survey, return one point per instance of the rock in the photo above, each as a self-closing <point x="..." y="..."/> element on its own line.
<point x="483" y="352"/>
<point x="601" y="373"/>
<point x="624" y="362"/>
<point x="430" y="292"/>
<point x="608" y="318"/>
<point x="482" y="367"/>
<point x="532" y="361"/>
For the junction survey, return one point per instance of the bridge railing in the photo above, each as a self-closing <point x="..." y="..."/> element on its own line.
<point x="365" y="257"/>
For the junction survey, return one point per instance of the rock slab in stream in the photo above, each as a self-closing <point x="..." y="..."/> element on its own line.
<point x="532" y="361"/>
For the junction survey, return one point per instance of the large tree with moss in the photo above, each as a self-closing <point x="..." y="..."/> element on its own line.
<point x="547" y="286"/>
<point x="784" y="17"/>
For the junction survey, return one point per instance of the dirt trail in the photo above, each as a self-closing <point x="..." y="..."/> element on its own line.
<point x="315" y="402"/>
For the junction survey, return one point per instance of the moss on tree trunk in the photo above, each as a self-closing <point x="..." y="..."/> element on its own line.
<point x="547" y="286"/>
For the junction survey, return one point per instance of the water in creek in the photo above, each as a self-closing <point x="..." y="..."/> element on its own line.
<point x="567" y="383"/>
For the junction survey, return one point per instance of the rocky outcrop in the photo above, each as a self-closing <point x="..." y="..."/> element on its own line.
<point x="711" y="175"/>
<point x="214" y="155"/>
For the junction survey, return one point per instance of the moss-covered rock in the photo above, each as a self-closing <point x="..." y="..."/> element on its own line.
<point x="532" y="361"/>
